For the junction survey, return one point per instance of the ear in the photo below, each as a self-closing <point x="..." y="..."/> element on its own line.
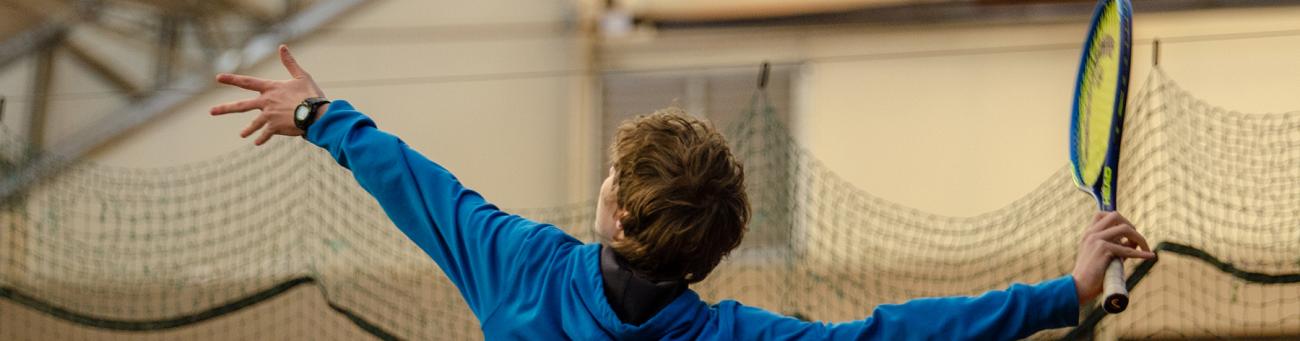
<point x="618" y="224"/>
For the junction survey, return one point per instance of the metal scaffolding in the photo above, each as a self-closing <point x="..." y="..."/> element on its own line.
<point x="191" y="41"/>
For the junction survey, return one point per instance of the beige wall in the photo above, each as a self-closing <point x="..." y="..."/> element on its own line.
<point x="950" y="119"/>
<point x="964" y="134"/>
<point x="962" y="119"/>
<point x="956" y="119"/>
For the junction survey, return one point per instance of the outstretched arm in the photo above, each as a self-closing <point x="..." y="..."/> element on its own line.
<point x="1009" y="314"/>
<point x="476" y="245"/>
<point x="1015" y="313"/>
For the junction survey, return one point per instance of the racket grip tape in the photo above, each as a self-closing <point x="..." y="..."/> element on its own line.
<point x="1113" y="291"/>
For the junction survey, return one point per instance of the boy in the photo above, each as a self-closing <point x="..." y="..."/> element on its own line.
<point x="671" y="208"/>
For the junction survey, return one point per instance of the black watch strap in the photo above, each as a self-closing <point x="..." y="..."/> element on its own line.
<point x="313" y="104"/>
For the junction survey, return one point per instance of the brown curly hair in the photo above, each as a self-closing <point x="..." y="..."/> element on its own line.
<point x="683" y="193"/>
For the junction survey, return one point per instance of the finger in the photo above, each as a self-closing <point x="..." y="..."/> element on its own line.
<point x="1126" y="231"/>
<point x="1113" y="233"/>
<point x="254" y="126"/>
<point x="291" y="64"/>
<point x="246" y="82"/>
<point x="1137" y="238"/>
<point x="234" y="107"/>
<point x="1124" y="220"/>
<point x="1098" y="216"/>
<point x="1120" y="251"/>
<point x="266" y="135"/>
<point x="1107" y="220"/>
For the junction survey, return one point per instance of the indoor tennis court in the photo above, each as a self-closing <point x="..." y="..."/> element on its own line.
<point x="892" y="150"/>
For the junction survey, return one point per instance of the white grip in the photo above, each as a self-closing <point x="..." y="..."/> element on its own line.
<point x="1113" y="291"/>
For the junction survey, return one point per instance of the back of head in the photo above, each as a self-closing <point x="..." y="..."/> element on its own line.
<point x="683" y="193"/>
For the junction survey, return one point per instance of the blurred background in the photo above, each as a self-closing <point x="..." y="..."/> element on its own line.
<point x="900" y="149"/>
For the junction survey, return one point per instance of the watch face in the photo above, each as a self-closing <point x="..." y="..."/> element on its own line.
<point x="301" y="113"/>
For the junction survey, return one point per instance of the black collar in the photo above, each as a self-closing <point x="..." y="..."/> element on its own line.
<point x="635" y="299"/>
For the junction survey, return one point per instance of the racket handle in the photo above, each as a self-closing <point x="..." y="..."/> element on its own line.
<point x="1113" y="290"/>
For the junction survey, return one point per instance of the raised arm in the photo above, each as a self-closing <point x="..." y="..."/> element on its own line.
<point x="476" y="245"/>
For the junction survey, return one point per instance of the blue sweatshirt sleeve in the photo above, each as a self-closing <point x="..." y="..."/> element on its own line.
<point x="475" y="244"/>
<point x="1011" y="314"/>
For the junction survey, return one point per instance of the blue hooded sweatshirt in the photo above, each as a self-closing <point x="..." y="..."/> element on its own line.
<point x="527" y="280"/>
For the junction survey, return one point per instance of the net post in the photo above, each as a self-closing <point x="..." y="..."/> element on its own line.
<point x="1155" y="52"/>
<point x="763" y="73"/>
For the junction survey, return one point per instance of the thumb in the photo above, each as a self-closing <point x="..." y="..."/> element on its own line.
<point x="291" y="64"/>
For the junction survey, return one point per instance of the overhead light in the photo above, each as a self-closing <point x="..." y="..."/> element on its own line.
<point x="616" y="21"/>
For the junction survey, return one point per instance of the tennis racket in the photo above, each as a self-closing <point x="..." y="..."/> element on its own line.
<point x="1100" y="94"/>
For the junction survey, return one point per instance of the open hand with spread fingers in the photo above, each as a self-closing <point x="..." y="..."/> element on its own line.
<point x="277" y="100"/>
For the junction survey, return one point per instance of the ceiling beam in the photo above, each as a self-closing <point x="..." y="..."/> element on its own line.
<point x="944" y="12"/>
<point x="102" y="69"/>
<point x="42" y="82"/>
<point x="247" y="9"/>
<point x="165" y="52"/>
<point x="42" y="36"/>
<point x="50" y="31"/>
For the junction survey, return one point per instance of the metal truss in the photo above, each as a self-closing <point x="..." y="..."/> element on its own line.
<point x="189" y="42"/>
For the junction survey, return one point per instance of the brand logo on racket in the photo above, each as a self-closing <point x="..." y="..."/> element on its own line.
<point x="1105" y="186"/>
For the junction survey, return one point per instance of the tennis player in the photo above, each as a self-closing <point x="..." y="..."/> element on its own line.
<point x="671" y="209"/>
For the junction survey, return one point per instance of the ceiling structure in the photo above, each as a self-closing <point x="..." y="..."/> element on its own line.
<point x="689" y="10"/>
<point x="691" y="14"/>
<point x="153" y="55"/>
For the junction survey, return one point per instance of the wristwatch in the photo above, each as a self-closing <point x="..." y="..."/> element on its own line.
<point x="305" y="114"/>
